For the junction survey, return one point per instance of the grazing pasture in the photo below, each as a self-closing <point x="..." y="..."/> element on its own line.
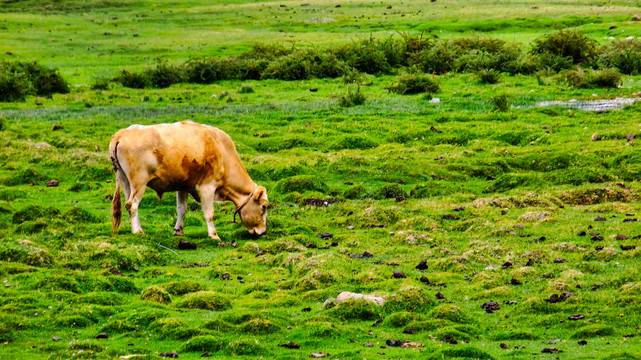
<point x="493" y="228"/>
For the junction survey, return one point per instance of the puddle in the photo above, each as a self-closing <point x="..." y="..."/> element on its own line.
<point x="591" y="105"/>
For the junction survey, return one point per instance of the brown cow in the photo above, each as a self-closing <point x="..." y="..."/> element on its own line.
<point x="190" y="159"/>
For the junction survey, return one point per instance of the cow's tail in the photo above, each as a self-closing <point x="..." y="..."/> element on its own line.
<point x="116" y="203"/>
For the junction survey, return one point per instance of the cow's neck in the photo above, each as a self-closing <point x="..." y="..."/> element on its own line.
<point x="237" y="187"/>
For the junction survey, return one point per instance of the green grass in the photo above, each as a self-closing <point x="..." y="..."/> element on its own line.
<point x="528" y="179"/>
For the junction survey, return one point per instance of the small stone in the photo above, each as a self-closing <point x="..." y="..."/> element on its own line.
<point x="506" y="265"/>
<point x="490" y="306"/>
<point x="424" y="280"/>
<point x="422" y="265"/>
<point x="290" y="345"/>
<point x="450" y="217"/>
<point x="560" y="261"/>
<point x="408" y="331"/>
<point x="530" y="262"/>
<point x="168" y="354"/>
<point x="398" y="275"/>
<point x="368" y="344"/>
<point x="439" y="296"/>
<point x="351" y="227"/>
<point x="307" y="309"/>
<point x="55" y="338"/>
<point x="52" y="183"/>
<point x="629" y="220"/>
<point x="599" y="248"/>
<point x="102" y="336"/>
<point x="599" y="218"/>
<point x="325" y="236"/>
<point x="394" y="343"/>
<point x="504" y="346"/>
<point x="317" y="355"/>
<point x="459" y="209"/>
<point x="576" y="317"/>
<point x="516" y="282"/>
<point x="628" y="247"/>
<point x="225" y="276"/>
<point x="582" y="233"/>
<point x="551" y="351"/>
<point x="582" y="342"/>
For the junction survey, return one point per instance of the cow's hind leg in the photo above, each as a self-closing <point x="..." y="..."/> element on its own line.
<point x="181" y="207"/>
<point x="206" y="194"/>
<point x="132" y="204"/>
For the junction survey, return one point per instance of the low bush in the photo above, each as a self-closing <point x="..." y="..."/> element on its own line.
<point x="368" y="56"/>
<point x="305" y="64"/>
<point x="489" y="76"/>
<point x="606" y="78"/>
<point x="624" y="55"/>
<point x="133" y="80"/>
<point x="567" y="43"/>
<point x="415" y="83"/>
<point x="44" y="80"/>
<point x="165" y="74"/>
<point x="352" y="97"/>
<point x="13" y="86"/>
<point x="501" y="103"/>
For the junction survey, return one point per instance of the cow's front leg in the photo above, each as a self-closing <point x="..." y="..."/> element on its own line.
<point x="206" y="194"/>
<point x="181" y="207"/>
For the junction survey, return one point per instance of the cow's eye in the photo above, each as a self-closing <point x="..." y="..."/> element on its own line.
<point x="264" y="207"/>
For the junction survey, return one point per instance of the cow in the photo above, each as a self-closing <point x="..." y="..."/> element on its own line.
<point x="189" y="159"/>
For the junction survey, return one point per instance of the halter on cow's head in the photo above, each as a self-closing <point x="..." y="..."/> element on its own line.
<point x="253" y="211"/>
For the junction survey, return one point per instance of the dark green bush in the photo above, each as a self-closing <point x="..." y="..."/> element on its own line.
<point x="101" y="83"/>
<point x="624" y="55"/>
<point x="133" y="80"/>
<point x="14" y="86"/>
<point x="567" y="43"/>
<point x="211" y="69"/>
<point x="415" y="83"/>
<point x="305" y="64"/>
<point x="607" y="78"/>
<point x="165" y="74"/>
<point x="500" y="102"/>
<point x="438" y="59"/>
<point x="45" y="81"/>
<point x="267" y="51"/>
<point x="366" y="56"/>
<point x="352" y="97"/>
<point x="489" y="76"/>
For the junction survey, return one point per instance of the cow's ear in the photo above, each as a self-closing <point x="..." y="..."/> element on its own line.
<point x="259" y="193"/>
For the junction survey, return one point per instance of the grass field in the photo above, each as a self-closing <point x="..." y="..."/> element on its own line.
<point x="534" y="208"/>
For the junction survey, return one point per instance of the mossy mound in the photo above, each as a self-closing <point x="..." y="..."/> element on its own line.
<point x="205" y="300"/>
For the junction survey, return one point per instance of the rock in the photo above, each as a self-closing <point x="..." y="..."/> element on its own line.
<point x="582" y="342"/>
<point x="530" y="262"/>
<point x="507" y="265"/>
<point x="510" y="302"/>
<point x="449" y="340"/>
<point x="597" y="238"/>
<point x="394" y="343"/>
<point x="102" y="336"/>
<point x="57" y="127"/>
<point x="398" y="275"/>
<point x="629" y="220"/>
<point x="317" y="355"/>
<point x="576" y="317"/>
<point x="409" y="344"/>
<point x="225" y="276"/>
<point x="450" y="217"/>
<point x="312" y="246"/>
<point x="598" y="248"/>
<point x="599" y="218"/>
<point x="313" y="90"/>
<point x="290" y="345"/>
<point x="408" y="331"/>
<point x="346" y="295"/>
<point x="622" y="237"/>
<point x="52" y="183"/>
<point x="490" y="306"/>
<point x="551" y="351"/>
<point x="560" y="261"/>
<point x="115" y="272"/>
<point x="351" y="227"/>
<point x="516" y="282"/>
<point x="55" y="338"/>
<point x="439" y="296"/>
<point x="630" y="137"/>
<point x="432" y="128"/>
<point x="187" y="245"/>
<point x="307" y="309"/>
<point x="424" y="280"/>
<point x="168" y="354"/>
<point x="368" y="344"/>
<point x="325" y="236"/>
<point x="504" y="346"/>
<point x="363" y="255"/>
<point x="628" y="247"/>
<point x="582" y="233"/>
<point x="422" y="265"/>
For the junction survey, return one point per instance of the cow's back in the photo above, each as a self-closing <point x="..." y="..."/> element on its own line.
<point x="172" y="157"/>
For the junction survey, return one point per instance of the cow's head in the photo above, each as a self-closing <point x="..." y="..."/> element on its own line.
<point x="254" y="213"/>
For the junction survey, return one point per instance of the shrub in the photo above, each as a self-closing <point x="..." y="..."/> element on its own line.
<point x="165" y="74"/>
<point x="266" y="51"/>
<point x="607" y="78"/>
<point x="624" y="55"/>
<point x="133" y="80"/>
<point x="567" y="43"/>
<point x="14" y="86"/>
<point x="438" y="59"/>
<point x="101" y="83"/>
<point x="415" y="83"/>
<point x="45" y="81"/>
<point x="501" y="103"/>
<point x="489" y="76"/>
<point x="352" y="98"/>
<point x="367" y="56"/>
<point x="305" y="64"/>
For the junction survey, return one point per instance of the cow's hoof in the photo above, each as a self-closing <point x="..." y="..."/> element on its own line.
<point x="179" y="232"/>
<point x="215" y="237"/>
